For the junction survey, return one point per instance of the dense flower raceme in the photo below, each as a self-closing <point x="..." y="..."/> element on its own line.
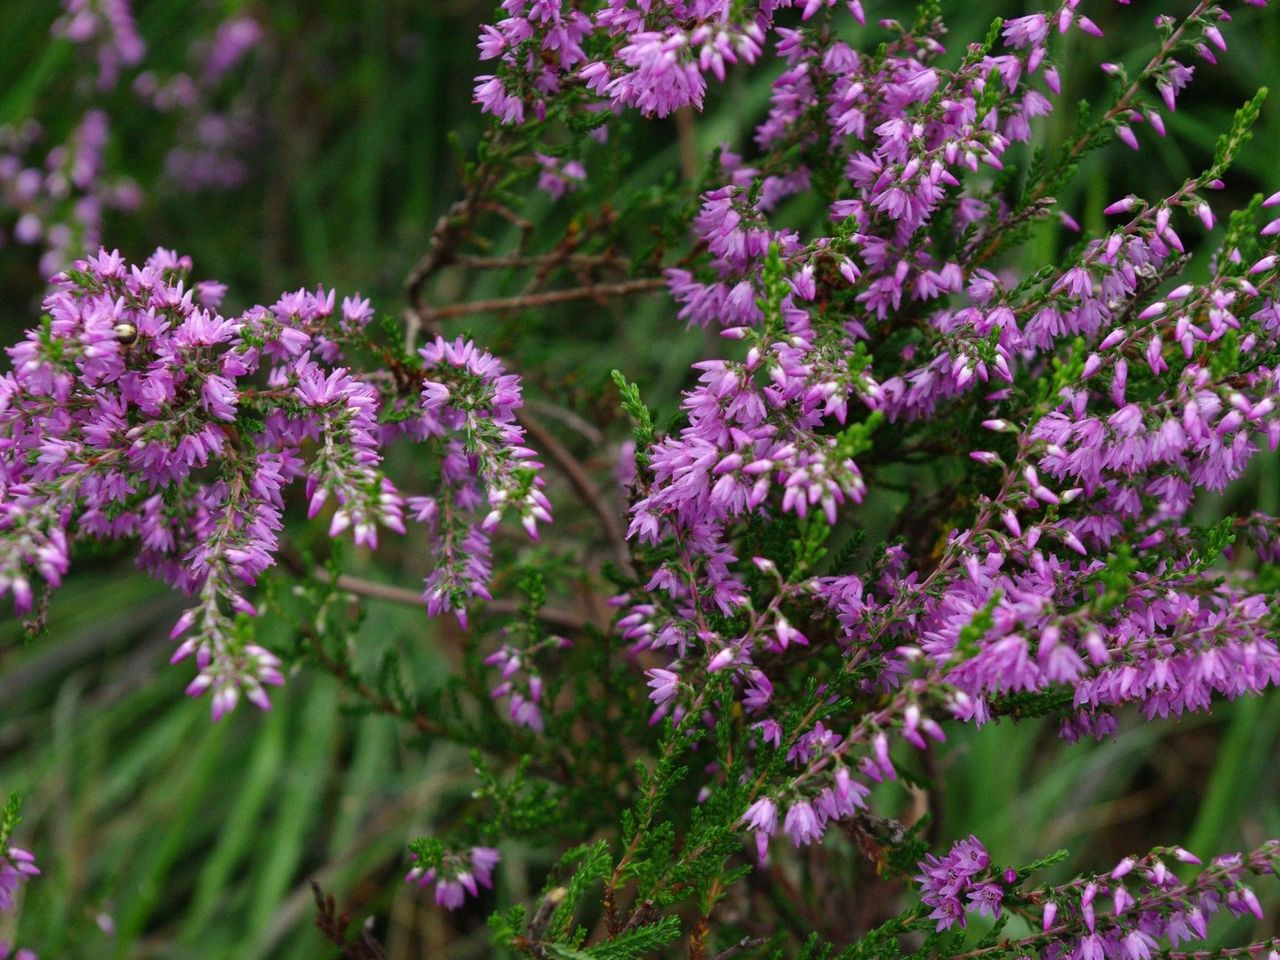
<point x="1080" y="575"/>
<point x="542" y="45"/>
<point x="137" y="411"/>
<point x="1134" y="912"/>
<point x="656" y="57"/>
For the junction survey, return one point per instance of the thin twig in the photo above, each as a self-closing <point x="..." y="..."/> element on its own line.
<point x="582" y="483"/>
<point x="687" y="140"/>
<point x="570" y="419"/>
<point x="563" y="621"/>
<point x="537" y="260"/>
<point x="600" y="291"/>
<point x="746" y="943"/>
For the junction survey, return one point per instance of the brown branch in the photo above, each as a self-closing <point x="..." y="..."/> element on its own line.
<point x="583" y="485"/>
<point x="564" y="621"/>
<point x="333" y="924"/>
<point x="574" y="421"/>
<point x="599" y="292"/>
<point x="687" y="140"/>
<point x="746" y="943"/>
<point x="537" y="260"/>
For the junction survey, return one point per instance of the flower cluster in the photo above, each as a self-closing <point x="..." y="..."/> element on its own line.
<point x="1065" y="577"/>
<point x="216" y="129"/>
<point x="469" y="409"/>
<point x="1121" y="915"/>
<point x="137" y="411"/>
<point x="520" y="683"/>
<point x="54" y="197"/>
<point x="654" y="57"/>
<point x="16" y="865"/>
<point x="456" y="874"/>
<point x="958" y="882"/>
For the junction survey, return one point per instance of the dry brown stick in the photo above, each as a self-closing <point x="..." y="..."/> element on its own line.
<point x="687" y="139"/>
<point x="536" y="260"/>
<point x="562" y="620"/>
<point x="600" y="291"/>
<point x="570" y="419"/>
<point x="447" y="234"/>
<point x="583" y="485"/>
<point x="746" y="943"/>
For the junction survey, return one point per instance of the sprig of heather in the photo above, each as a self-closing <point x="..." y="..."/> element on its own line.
<point x="55" y="197"/>
<point x="468" y="411"/>
<point x="455" y="874"/>
<point x="1138" y="910"/>
<point x="1028" y="598"/>
<point x="138" y="412"/>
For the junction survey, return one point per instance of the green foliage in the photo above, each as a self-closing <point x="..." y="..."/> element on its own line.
<point x="638" y="941"/>
<point x="593" y="865"/>
<point x="521" y="806"/>
<point x="1230" y="144"/>
<point x="972" y="632"/>
<point x="10" y="817"/>
<point x="639" y="413"/>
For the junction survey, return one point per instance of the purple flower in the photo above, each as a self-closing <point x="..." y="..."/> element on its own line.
<point x="802" y="824"/>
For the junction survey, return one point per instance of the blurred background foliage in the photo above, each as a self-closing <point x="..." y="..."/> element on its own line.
<point x="163" y="836"/>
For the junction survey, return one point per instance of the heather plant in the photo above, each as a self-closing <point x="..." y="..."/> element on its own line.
<point x="707" y="667"/>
